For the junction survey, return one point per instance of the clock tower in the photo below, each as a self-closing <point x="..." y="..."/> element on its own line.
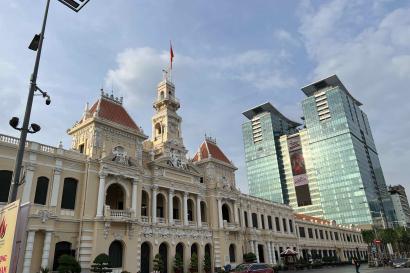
<point x="166" y="123"/>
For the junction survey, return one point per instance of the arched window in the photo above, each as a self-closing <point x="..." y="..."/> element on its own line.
<point x="145" y="257"/>
<point x="161" y="205"/>
<point x="144" y="203"/>
<point x="203" y="212"/>
<point x="69" y="194"/>
<point x="226" y="213"/>
<point x="176" y="203"/>
<point x="190" y="210"/>
<point x="41" y="191"/>
<point x="158" y="129"/>
<point x="115" y="197"/>
<point x="115" y="254"/>
<point x="61" y="248"/>
<point x="254" y="220"/>
<point x="161" y="95"/>
<point x="232" y="256"/>
<point x="245" y="215"/>
<point x="5" y="182"/>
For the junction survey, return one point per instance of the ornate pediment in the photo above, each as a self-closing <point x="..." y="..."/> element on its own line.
<point x="120" y="159"/>
<point x="171" y="163"/>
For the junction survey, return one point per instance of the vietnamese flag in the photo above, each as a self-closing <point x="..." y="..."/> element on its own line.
<point x="171" y="53"/>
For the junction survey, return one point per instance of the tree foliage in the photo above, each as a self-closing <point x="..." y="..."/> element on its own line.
<point x="178" y="263"/>
<point x="194" y="262"/>
<point x="207" y="263"/>
<point x="68" y="264"/>
<point x="101" y="264"/>
<point x="158" y="263"/>
<point x="249" y="257"/>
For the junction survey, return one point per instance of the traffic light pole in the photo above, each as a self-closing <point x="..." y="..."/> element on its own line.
<point x="24" y="130"/>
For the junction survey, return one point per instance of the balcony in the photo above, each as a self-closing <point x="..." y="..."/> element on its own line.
<point x="228" y="225"/>
<point x="145" y="219"/>
<point x="117" y="214"/>
<point x="192" y="223"/>
<point x="178" y="222"/>
<point x="161" y="220"/>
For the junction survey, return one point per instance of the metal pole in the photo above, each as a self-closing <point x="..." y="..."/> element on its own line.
<point x="23" y="135"/>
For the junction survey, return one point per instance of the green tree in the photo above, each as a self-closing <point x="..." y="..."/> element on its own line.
<point x="368" y="236"/>
<point x="207" y="263"/>
<point x="194" y="262"/>
<point x="101" y="264"/>
<point x="158" y="263"/>
<point x="178" y="263"/>
<point x="249" y="257"/>
<point x="68" y="264"/>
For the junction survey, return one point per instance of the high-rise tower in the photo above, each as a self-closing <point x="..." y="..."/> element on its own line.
<point x="263" y="156"/>
<point x="350" y="179"/>
<point x="330" y="168"/>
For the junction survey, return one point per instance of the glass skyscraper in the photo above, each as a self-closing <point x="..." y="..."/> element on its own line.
<point x="331" y="167"/>
<point x="261" y="135"/>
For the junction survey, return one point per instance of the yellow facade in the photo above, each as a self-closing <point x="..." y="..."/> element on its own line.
<point x="118" y="192"/>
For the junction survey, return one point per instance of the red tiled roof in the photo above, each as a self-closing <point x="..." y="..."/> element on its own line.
<point x="208" y="148"/>
<point x="114" y="112"/>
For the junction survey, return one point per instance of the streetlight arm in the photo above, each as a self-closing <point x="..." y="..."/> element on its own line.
<point x="26" y="121"/>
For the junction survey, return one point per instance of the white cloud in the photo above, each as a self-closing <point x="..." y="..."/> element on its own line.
<point x="286" y="37"/>
<point x="373" y="61"/>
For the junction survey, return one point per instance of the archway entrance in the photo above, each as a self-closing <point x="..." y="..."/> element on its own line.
<point x="145" y="257"/>
<point x="163" y="251"/>
<point x="115" y="252"/>
<point x="261" y="254"/>
<point x="61" y="248"/>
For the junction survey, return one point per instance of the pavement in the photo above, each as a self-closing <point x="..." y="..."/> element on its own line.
<point x="351" y="269"/>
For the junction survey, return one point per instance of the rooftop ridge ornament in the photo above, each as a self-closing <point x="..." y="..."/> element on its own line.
<point x="210" y="139"/>
<point x="111" y="97"/>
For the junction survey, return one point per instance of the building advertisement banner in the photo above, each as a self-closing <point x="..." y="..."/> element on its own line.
<point x="300" y="178"/>
<point x="8" y="219"/>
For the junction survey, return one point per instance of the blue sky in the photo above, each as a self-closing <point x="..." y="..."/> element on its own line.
<point x="229" y="56"/>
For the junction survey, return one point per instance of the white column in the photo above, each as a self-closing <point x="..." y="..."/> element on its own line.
<point x="46" y="249"/>
<point x="256" y="251"/>
<point x="28" y="183"/>
<point x="266" y="221"/>
<point x="28" y="254"/>
<point x="170" y="206"/>
<point x="56" y="187"/>
<point x="252" y="247"/>
<point x="185" y="208"/>
<point x="220" y="219"/>
<point x="287" y="225"/>
<point x="273" y="252"/>
<point x="198" y="211"/>
<point x="101" y="195"/>
<point x="269" y="252"/>
<point x="282" y="230"/>
<point x="258" y="220"/>
<point x="250" y="224"/>
<point x="154" y="204"/>
<point x="134" y="196"/>
<point x="235" y="213"/>
<point x="243" y="218"/>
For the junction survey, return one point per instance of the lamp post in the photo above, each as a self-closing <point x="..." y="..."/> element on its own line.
<point x="36" y="45"/>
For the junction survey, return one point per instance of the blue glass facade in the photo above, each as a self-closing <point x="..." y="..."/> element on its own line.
<point x="263" y="157"/>
<point x="328" y="169"/>
<point x="349" y="176"/>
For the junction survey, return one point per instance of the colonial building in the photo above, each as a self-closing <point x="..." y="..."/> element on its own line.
<point x="119" y="192"/>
